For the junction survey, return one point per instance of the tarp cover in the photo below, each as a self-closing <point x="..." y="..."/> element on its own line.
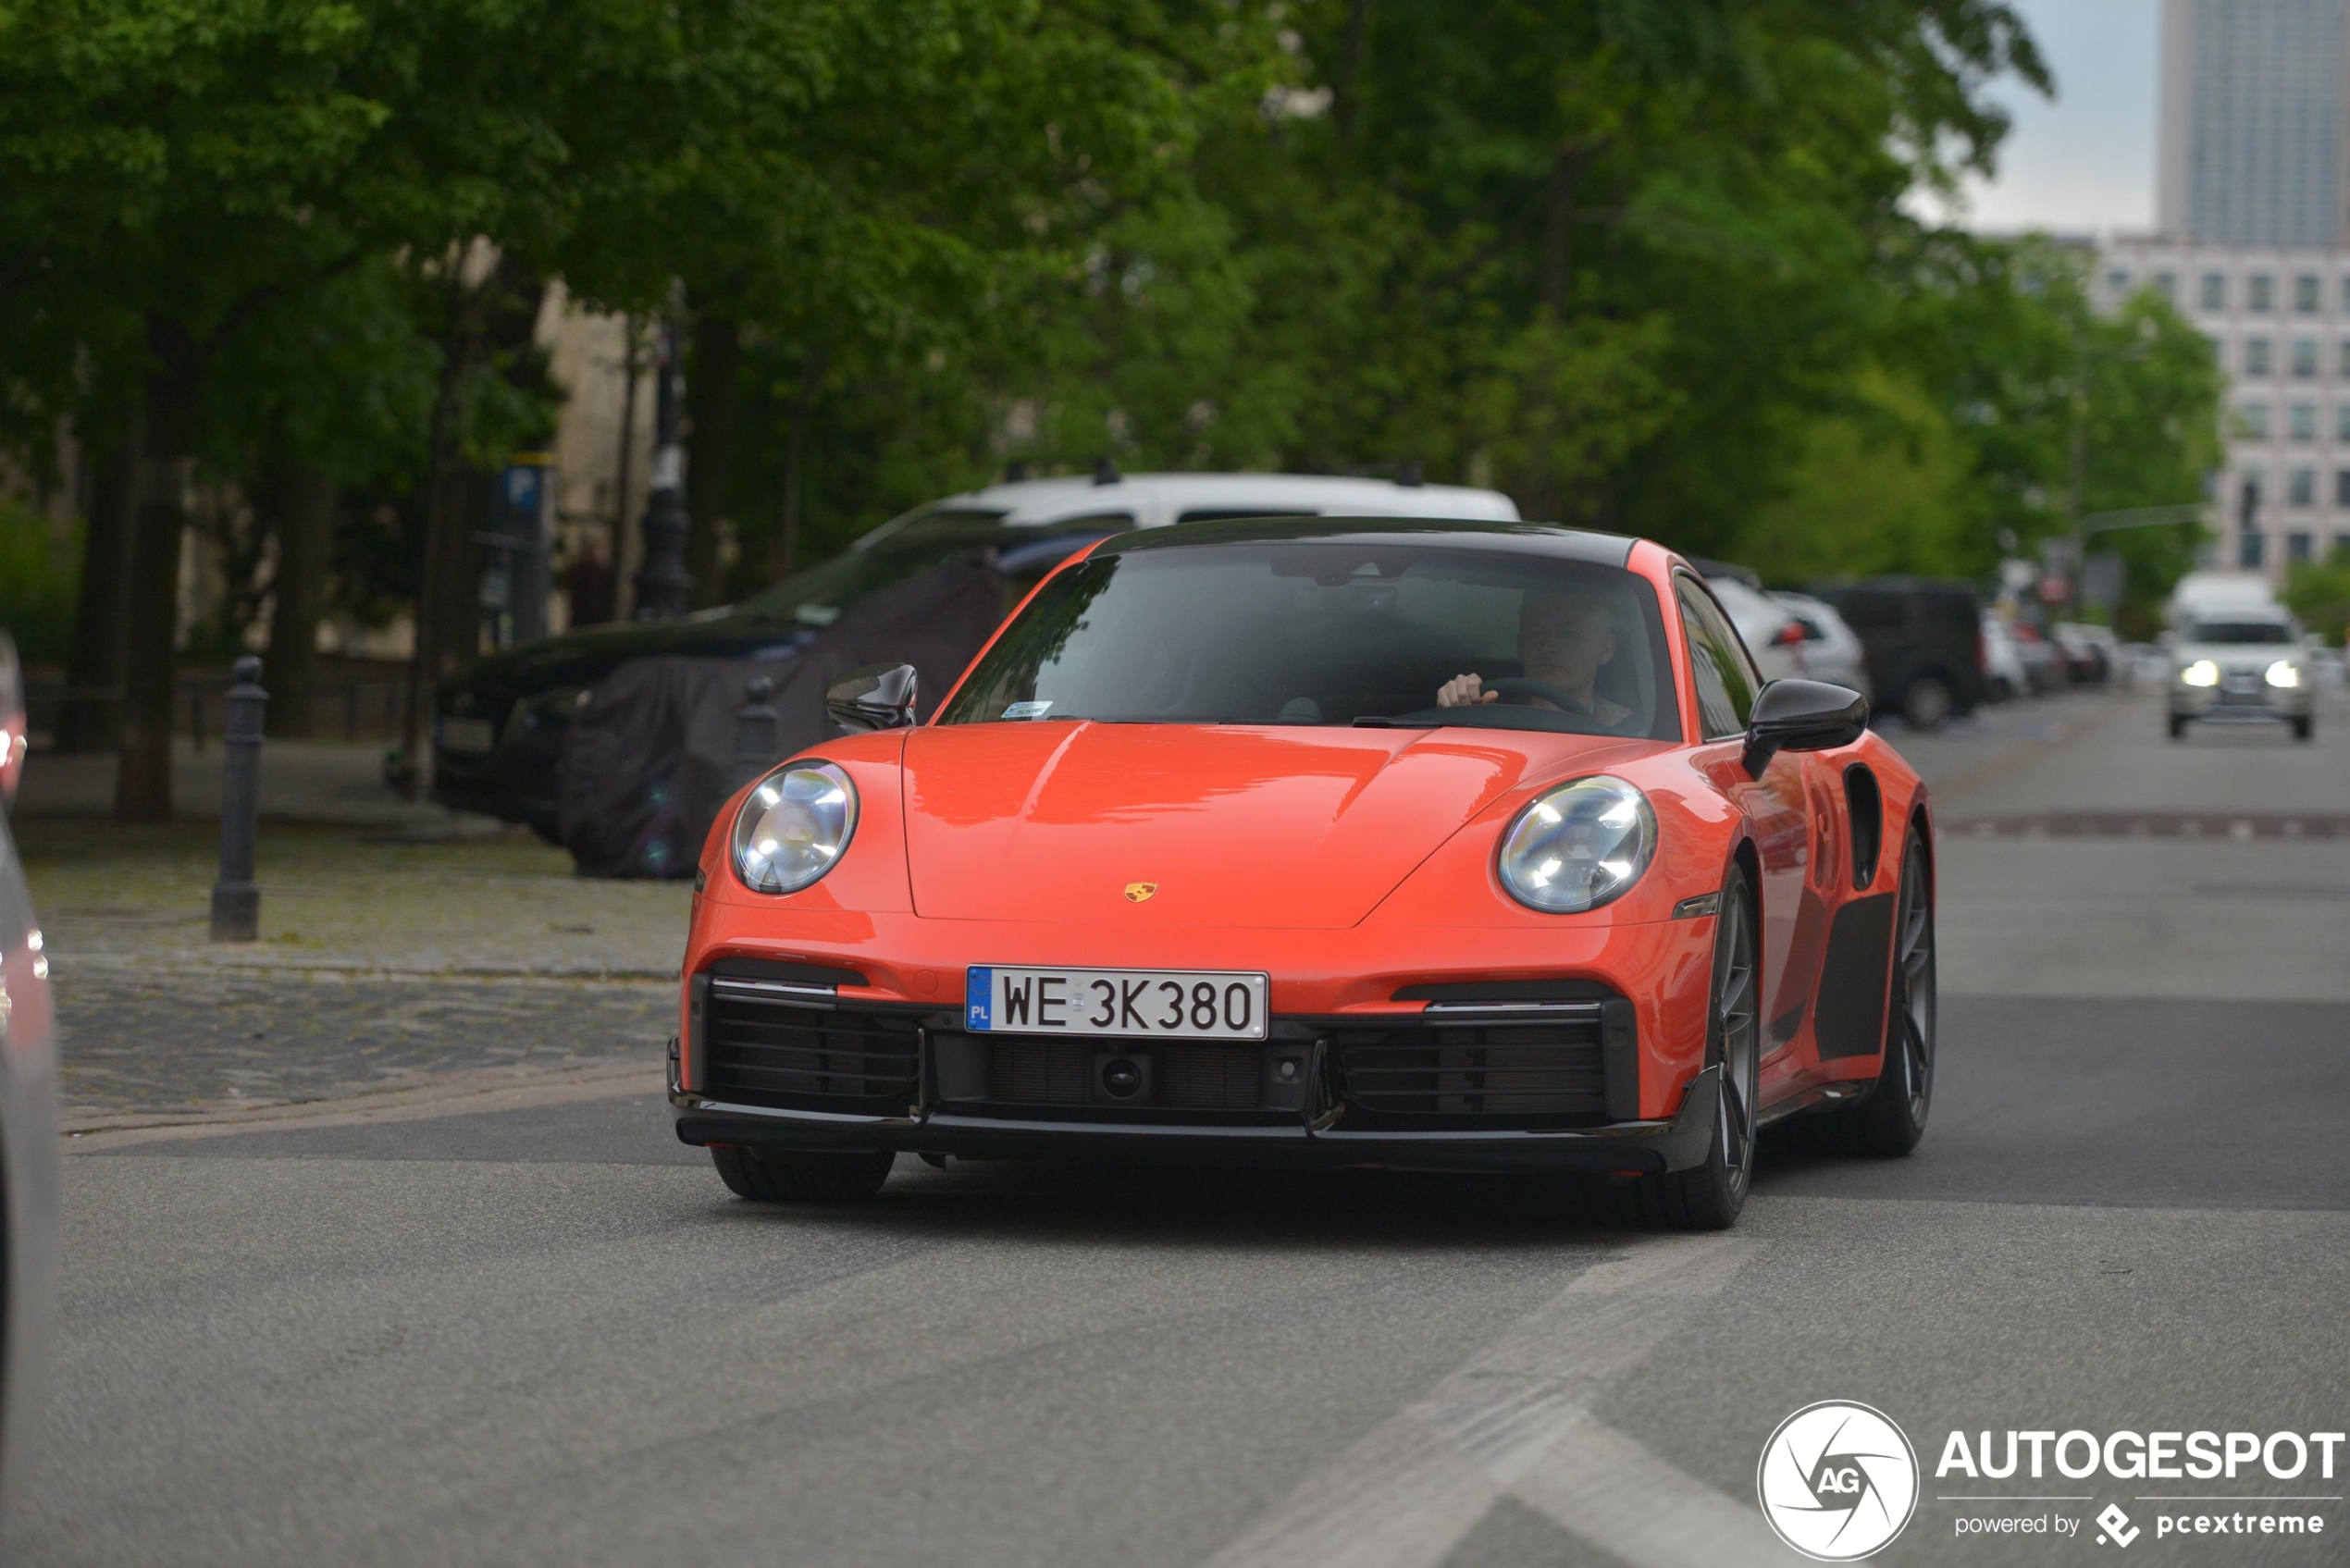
<point x="649" y="760"/>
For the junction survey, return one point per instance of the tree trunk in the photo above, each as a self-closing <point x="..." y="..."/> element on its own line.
<point x="1349" y="72"/>
<point x="1558" y="230"/>
<point x="457" y="347"/>
<point x="710" y="393"/>
<point x="143" y="780"/>
<point x="784" y="555"/>
<point x="101" y="611"/>
<point x="306" y="546"/>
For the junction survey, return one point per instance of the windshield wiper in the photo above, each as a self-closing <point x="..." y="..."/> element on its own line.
<point x="1381" y="722"/>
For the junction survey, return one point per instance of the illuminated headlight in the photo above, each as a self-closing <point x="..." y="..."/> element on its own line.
<point x="2284" y="673"/>
<point x="792" y="826"/>
<point x="1576" y="846"/>
<point x="2202" y="673"/>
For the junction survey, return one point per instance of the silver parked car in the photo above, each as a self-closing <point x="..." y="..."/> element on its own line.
<point x="1829" y="650"/>
<point x="28" y="1121"/>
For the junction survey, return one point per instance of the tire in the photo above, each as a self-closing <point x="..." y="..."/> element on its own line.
<point x="2301" y="727"/>
<point x="1928" y="702"/>
<point x="2178" y="726"/>
<point x="1709" y="1196"/>
<point x="1892" y="1119"/>
<point x="783" y="1178"/>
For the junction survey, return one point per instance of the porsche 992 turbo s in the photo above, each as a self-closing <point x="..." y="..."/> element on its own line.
<point x="1338" y="842"/>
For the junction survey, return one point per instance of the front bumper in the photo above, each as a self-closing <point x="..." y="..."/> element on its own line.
<point x="2241" y="704"/>
<point x="1632" y="1146"/>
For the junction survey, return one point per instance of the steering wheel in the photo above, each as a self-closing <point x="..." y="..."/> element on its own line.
<point x="1518" y="685"/>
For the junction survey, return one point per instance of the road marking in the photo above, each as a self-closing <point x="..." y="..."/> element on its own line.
<point x="1516" y="1421"/>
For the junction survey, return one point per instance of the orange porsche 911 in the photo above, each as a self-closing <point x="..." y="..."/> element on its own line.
<point x="1425" y="844"/>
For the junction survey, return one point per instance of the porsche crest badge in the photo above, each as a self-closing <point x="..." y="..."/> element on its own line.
<point x="1137" y="892"/>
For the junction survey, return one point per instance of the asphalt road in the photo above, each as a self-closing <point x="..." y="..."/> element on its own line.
<point x="549" y="1335"/>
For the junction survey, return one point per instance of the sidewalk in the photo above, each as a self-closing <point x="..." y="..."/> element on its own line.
<point x="404" y="948"/>
<point x="352" y="880"/>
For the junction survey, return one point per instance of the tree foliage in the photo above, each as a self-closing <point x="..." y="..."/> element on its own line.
<point x="1653" y="266"/>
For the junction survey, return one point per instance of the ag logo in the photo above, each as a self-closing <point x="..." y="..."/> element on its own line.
<point x="1838" y="1481"/>
<point x="1138" y="891"/>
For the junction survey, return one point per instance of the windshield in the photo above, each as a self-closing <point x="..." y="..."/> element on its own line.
<point x="1325" y="632"/>
<point x="2240" y="632"/>
<point x="816" y="597"/>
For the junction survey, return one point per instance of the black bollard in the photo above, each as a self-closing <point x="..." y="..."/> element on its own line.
<point x="236" y="901"/>
<point x="755" y="722"/>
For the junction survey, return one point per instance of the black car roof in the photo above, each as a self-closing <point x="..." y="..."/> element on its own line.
<point x="1547" y="539"/>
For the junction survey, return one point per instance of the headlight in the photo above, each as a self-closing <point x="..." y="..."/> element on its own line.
<point x="1576" y="846"/>
<point x="2284" y="673"/>
<point x="792" y="826"/>
<point x="2202" y="673"/>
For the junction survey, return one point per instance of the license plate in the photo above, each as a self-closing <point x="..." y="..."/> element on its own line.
<point x="1157" y="1004"/>
<point x="466" y="735"/>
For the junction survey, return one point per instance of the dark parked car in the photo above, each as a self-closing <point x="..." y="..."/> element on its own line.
<point x="1923" y="639"/>
<point x="499" y="736"/>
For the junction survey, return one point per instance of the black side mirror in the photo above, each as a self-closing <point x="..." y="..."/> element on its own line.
<point x="1802" y="716"/>
<point x="878" y="696"/>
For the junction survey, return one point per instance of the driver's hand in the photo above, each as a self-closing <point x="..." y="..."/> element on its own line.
<point x="1464" y="691"/>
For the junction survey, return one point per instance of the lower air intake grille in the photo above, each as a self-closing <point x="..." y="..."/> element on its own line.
<point x="1039" y="1072"/>
<point x="761" y="1052"/>
<point x="1198" y="1077"/>
<point x="1553" y="1067"/>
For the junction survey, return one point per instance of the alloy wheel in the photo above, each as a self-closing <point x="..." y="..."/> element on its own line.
<point x="1912" y="1016"/>
<point x="1737" y="1029"/>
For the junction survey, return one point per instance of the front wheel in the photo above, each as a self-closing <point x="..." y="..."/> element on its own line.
<point x="776" y="1177"/>
<point x="1929" y="703"/>
<point x="2301" y="727"/>
<point x="1709" y="1196"/>
<point x="2178" y="726"/>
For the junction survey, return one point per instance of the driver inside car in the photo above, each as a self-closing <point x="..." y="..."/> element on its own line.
<point x="1564" y="639"/>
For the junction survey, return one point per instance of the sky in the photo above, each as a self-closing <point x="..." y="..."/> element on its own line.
<point x="2086" y="161"/>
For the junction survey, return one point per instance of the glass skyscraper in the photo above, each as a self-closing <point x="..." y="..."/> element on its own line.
<point x="2253" y="134"/>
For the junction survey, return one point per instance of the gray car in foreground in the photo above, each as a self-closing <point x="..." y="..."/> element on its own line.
<point x="28" y="1121"/>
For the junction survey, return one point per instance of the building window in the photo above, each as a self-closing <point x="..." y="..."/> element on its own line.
<point x="2253" y="420"/>
<point x="2260" y="293"/>
<point x="2301" y="487"/>
<point x="2117" y="282"/>
<point x="2297" y="547"/>
<point x="2341" y="360"/>
<point x="2214" y="291"/>
<point x="2305" y="358"/>
<point x="2256" y="356"/>
<point x="2341" y="487"/>
<point x="2305" y="294"/>
<point x="2342" y="547"/>
<point x="2249" y="550"/>
<point x="2220" y="352"/>
<point x="2304" y="422"/>
<point x="2167" y="285"/>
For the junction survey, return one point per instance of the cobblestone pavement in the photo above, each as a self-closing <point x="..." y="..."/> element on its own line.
<point x="176" y="1043"/>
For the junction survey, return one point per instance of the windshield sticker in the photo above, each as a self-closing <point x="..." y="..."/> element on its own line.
<point x="1027" y="710"/>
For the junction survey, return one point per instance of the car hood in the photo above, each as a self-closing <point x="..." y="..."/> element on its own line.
<point x="1225" y="825"/>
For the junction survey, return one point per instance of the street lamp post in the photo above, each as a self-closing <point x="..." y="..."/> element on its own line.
<point x="664" y="588"/>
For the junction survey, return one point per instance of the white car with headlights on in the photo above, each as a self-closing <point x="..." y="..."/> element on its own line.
<point x="2239" y="663"/>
